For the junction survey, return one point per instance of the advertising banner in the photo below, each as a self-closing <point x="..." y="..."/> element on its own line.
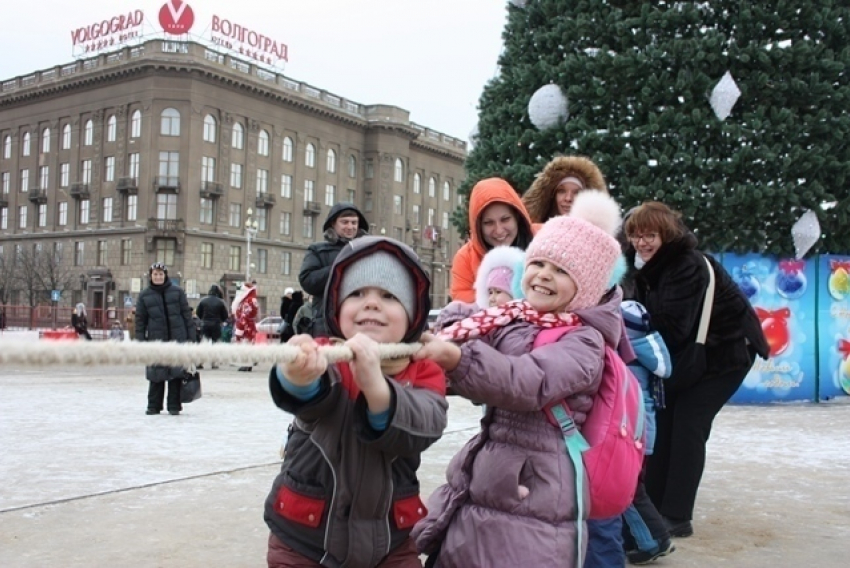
<point x="834" y="326"/>
<point x="783" y="293"/>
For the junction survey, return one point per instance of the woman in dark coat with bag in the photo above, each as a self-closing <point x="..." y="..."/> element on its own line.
<point x="163" y="314"/>
<point x="671" y="282"/>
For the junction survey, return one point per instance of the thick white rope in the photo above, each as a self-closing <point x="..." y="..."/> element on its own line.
<point x="104" y="353"/>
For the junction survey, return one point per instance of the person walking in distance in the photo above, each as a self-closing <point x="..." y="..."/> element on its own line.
<point x="213" y="313"/>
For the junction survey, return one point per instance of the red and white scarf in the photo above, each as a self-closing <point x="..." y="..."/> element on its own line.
<point x="485" y="321"/>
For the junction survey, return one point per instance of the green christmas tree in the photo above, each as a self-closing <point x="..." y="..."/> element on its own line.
<point x="639" y="80"/>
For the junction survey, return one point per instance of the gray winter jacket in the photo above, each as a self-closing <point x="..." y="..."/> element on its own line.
<point x="479" y="512"/>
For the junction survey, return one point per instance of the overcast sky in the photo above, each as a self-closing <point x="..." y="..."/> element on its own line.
<point x="430" y="57"/>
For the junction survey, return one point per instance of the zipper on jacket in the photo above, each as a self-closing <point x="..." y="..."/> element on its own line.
<point x="333" y="498"/>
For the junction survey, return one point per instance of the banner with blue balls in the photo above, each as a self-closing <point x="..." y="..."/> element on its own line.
<point x="834" y="326"/>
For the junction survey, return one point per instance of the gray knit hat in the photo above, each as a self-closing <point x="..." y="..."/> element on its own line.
<point x="381" y="270"/>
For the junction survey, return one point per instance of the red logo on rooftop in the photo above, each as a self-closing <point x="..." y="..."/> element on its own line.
<point x="176" y="17"/>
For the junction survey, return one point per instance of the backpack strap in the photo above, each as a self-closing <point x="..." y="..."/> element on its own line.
<point x="558" y="413"/>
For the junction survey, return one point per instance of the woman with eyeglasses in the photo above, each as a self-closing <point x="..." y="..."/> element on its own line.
<point x="671" y="280"/>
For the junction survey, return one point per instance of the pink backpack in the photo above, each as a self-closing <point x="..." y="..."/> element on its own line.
<point x="610" y="445"/>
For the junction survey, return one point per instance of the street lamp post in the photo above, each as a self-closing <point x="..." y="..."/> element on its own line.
<point x="251" y="228"/>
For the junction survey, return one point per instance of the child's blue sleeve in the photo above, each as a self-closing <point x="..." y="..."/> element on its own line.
<point x="302" y="393"/>
<point x="379" y="421"/>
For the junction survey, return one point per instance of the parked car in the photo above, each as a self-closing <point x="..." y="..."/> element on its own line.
<point x="270" y="325"/>
<point x="432" y="318"/>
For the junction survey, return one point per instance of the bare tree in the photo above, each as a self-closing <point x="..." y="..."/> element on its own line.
<point x="7" y="277"/>
<point x="39" y="271"/>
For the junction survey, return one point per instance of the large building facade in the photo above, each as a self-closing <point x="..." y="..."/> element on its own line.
<point x="164" y="151"/>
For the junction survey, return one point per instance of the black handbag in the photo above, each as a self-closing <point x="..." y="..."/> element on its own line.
<point x="689" y="364"/>
<point x="190" y="389"/>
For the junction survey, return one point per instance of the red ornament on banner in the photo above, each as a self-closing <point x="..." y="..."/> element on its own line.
<point x="774" y="324"/>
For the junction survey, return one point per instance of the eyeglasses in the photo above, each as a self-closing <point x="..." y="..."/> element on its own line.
<point x="647" y="238"/>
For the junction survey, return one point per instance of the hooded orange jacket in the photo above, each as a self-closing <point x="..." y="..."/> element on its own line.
<point x="467" y="260"/>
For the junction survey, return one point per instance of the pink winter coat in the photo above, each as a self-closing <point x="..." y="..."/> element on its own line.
<point x="479" y="511"/>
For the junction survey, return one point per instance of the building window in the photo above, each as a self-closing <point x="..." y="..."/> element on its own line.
<point x="209" y="129"/>
<point x="417" y="215"/>
<point x="263" y="143"/>
<point x="399" y="170"/>
<point x="101" y="253"/>
<point x="307" y="230"/>
<point x="398" y="207"/>
<point x="237" y="137"/>
<point x="352" y="167"/>
<point x="133" y="168"/>
<point x="262" y="260"/>
<point x="398" y="234"/>
<point x="286" y="263"/>
<point x="85" y="209"/>
<point x="25" y="147"/>
<point x="63" y="213"/>
<point x="207" y="168"/>
<point x="79" y="253"/>
<point x="447" y="191"/>
<point x="111" y="129"/>
<point x="88" y="133"/>
<point x="234" y="260"/>
<point x="262" y="181"/>
<point x="45" y="141"/>
<point x="459" y="200"/>
<point x="6" y="181"/>
<point x="107" y="209"/>
<point x="236" y="215"/>
<point x="66" y="137"/>
<point x="430" y="217"/>
<point x="330" y="195"/>
<point x="7" y="147"/>
<point x="310" y="156"/>
<point x="262" y="219"/>
<point x="43" y="177"/>
<point x="285" y="223"/>
<point x="136" y="124"/>
<point x="370" y="169"/>
<point x="132" y="207"/>
<point x="287" y="149"/>
<point x="417" y="184"/>
<point x="165" y="249"/>
<point x="169" y="167"/>
<point x="25" y="181"/>
<point x="308" y="190"/>
<point x="286" y="186"/>
<point x="109" y="170"/>
<point x="64" y="174"/>
<point x="331" y="161"/>
<point x="369" y="204"/>
<point x="42" y="215"/>
<point x="432" y="187"/>
<point x="446" y="220"/>
<point x="22" y="217"/>
<point x="126" y="251"/>
<point x="352" y="194"/>
<point x="206" y="211"/>
<point x="206" y="255"/>
<point x="166" y="206"/>
<point x="236" y="176"/>
<point x="169" y="122"/>
<point x="85" y="171"/>
<point x="4" y="218"/>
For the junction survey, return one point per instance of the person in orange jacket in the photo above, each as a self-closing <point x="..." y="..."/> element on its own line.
<point x="497" y="217"/>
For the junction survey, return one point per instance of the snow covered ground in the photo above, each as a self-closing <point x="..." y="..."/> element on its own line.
<point x="89" y="480"/>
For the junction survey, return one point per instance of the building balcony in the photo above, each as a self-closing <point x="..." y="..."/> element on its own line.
<point x="312" y="208"/>
<point x="265" y="199"/>
<point x="211" y="190"/>
<point x="165" y="227"/>
<point x="166" y="183"/>
<point x="128" y="185"/>
<point x="80" y="190"/>
<point x="37" y="195"/>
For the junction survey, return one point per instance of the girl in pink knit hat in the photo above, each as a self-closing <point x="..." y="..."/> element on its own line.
<point x="511" y="498"/>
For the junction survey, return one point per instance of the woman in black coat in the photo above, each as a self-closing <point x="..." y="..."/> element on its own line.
<point x="163" y="314"/>
<point x="344" y="222"/>
<point x="671" y="281"/>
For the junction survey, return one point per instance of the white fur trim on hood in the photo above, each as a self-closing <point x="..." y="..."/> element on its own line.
<point x="509" y="257"/>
